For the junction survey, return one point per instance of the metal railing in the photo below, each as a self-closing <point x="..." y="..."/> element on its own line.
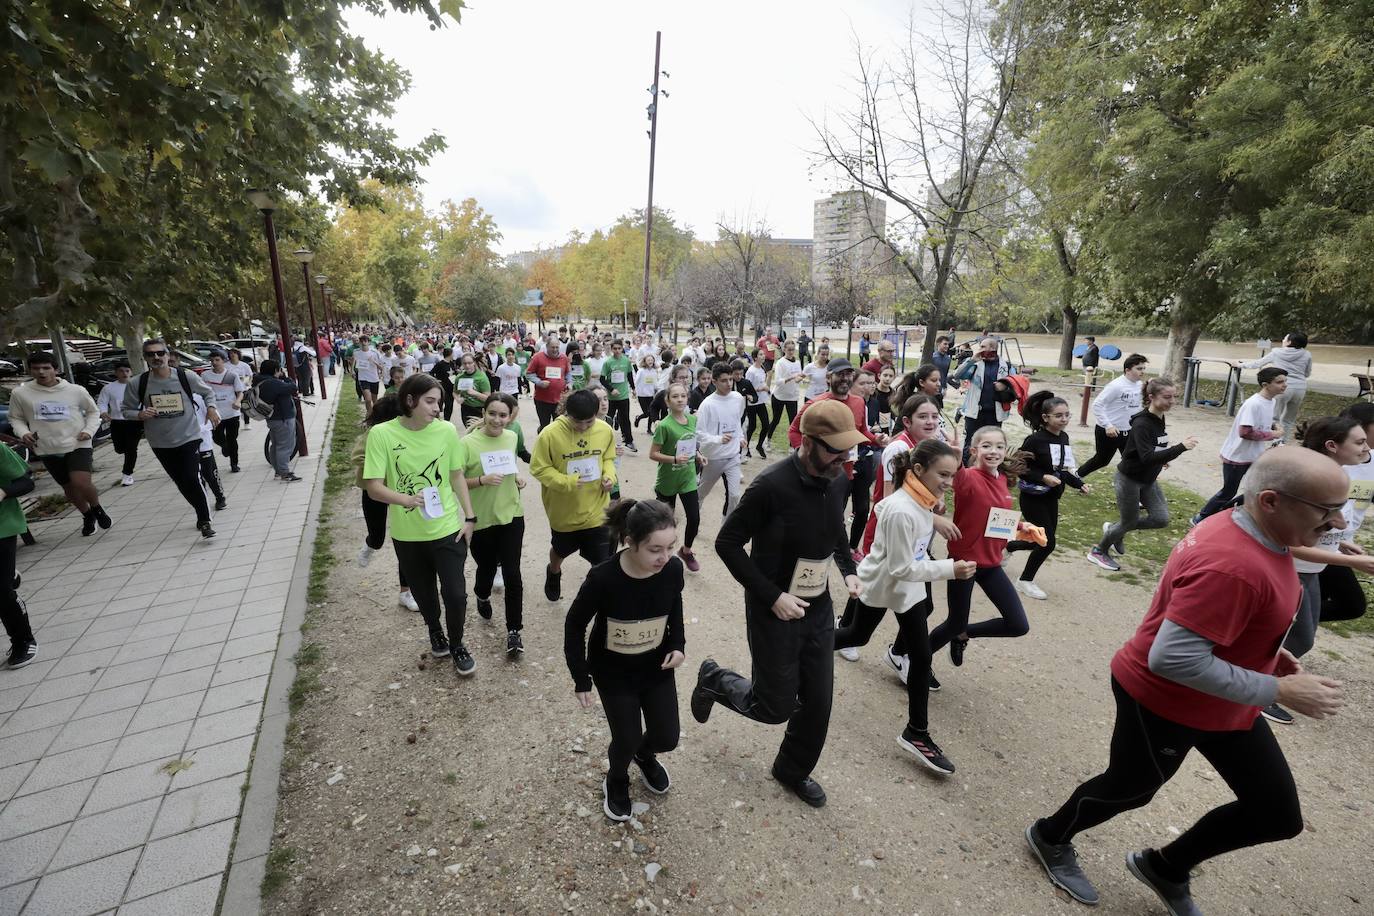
<point x="1230" y="400"/>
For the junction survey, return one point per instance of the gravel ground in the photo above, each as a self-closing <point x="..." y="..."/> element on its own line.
<point x="485" y="793"/>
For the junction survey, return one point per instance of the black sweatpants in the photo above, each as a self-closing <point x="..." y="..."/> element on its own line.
<point x="1342" y="597"/>
<point x="691" y="507"/>
<point x="1042" y="510"/>
<point x="778" y="408"/>
<point x="12" y="614"/>
<point x="618" y="415"/>
<point x="374" y="516"/>
<point x="959" y="595"/>
<point x="209" y="472"/>
<point x="861" y="495"/>
<point x="913" y="627"/>
<point x="499" y="546"/>
<point x="1147" y="750"/>
<point x="433" y="569"/>
<point x="182" y="464"/>
<point x="757" y="415"/>
<point x="1106" y="447"/>
<point x="1231" y="476"/>
<point x="468" y="413"/>
<point x="226" y="436"/>
<point x="646" y="412"/>
<point x="643" y="719"/>
<point x="124" y="437"/>
<point x="544" y="411"/>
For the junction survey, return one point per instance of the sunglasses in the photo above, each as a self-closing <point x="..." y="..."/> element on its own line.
<point x="154" y="354"/>
<point x="826" y="445"/>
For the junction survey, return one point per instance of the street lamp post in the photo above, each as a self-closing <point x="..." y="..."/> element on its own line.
<point x="263" y="201"/>
<point x="305" y="256"/>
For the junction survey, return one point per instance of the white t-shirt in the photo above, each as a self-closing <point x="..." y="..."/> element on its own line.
<point x="646" y="383"/>
<point x="111" y="400"/>
<point x="1258" y="412"/>
<point x="370" y="364"/>
<point x="784" y="369"/>
<point x="242" y="370"/>
<point x="815" y="381"/>
<point x="1117" y="403"/>
<point x="1353" y="512"/>
<point x="426" y="361"/>
<point x="408" y="363"/>
<point x="207" y="440"/>
<point x="594" y="364"/>
<point x="755" y="376"/>
<point x="226" y="385"/>
<point x="509" y="374"/>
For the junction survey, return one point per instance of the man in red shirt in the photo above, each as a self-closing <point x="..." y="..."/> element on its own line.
<point x="887" y="353"/>
<point x="326" y="351"/>
<point x="768" y="343"/>
<point x="839" y="375"/>
<point x="548" y="370"/>
<point x="1205" y="660"/>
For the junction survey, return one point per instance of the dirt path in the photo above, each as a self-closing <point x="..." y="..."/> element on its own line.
<point x="483" y="796"/>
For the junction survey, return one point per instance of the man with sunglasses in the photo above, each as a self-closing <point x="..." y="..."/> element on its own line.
<point x="161" y="398"/>
<point x="1203" y="663"/>
<point x="793" y="515"/>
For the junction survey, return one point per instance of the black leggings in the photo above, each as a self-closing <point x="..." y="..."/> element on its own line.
<point x="861" y="493"/>
<point x="691" y="507"/>
<point x="643" y="720"/>
<point x="758" y="415"/>
<point x="1147" y="750"/>
<point x="1040" y="510"/>
<point x="499" y="546"/>
<point x="12" y="613"/>
<point x="646" y="411"/>
<point x="618" y="415"/>
<point x="226" y="436"/>
<point x="913" y="628"/>
<point x="182" y="464"/>
<point x="1106" y="447"/>
<point x="124" y="436"/>
<point x="778" y="408"/>
<point x="468" y="413"/>
<point x="374" y="515"/>
<point x="544" y="411"/>
<point x="209" y="472"/>
<point x="435" y="568"/>
<point x="1342" y="597"/>
<point x="959" y="595"/>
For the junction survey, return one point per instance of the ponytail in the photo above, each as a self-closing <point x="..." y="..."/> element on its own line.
<point x="1151" y="387"/>
<point x="1035" y="407"/>
<point x="632" y="521"/>
<point x="926" y="453"/>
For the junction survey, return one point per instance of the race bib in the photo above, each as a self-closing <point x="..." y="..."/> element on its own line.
<point x="635" y="637"/>
<point x="465" y="384"/>
<point x="576" y="372"/>
<point x="617" y="377"/>
<point x="498" y="462"/>
<point x="1362" y="491"/>
<point x="434" y="505"/>
<point x="52" y="411"/>
<point x="553" y="372"/>
<point x="586" y="469"/>
<point x="809" y="578"/>
<point x="167" y="405"/>
<point x="687" y="448"/>
<point x="1002" y="524"/>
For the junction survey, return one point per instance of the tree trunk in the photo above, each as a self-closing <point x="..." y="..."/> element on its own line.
<point x="133" y="332"/>
<point x="1070" y="332"/>
<point x="1183" y="336"/>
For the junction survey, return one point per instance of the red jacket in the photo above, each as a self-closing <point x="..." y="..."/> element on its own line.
<point x="539" y="366"/>
<point x="856" y="405"/>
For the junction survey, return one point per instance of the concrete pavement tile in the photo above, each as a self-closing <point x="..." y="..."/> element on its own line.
<point x="153" y="647"/>
<point x="195" y="899"/>
<point x="225" y="726"/>
<point x="84" y="890"/>
<point x="12" y="777"/>
<point x="166" y="741"/>
<point x="26" y="746"/>
<point x="215" y="761"/>
<point x="249" y="645"/>
<point x="106" y="833"/>
<point x="183" y="682"/>
<point x="251" y="626"/>
<point x="115" y="620"/>
<point x="129" y="673"/>
<point x="12" y="898"/>
<point x="69" y="766"/>
<point x="165" y="611"/>
<point x="46" y="714"/>
<point x="213" y="601"/>
<point x="61" y="688"/>
<point x="169" y="626"/>
<point x="11" y="698"/>
<point x="161" y="713"/>
<point x="259" y="605"/>
<point x="92" y="661"/>
<point x="42" y="810"/>
<point x="185" y="857"/>
<point x="50" y="631"/>
<point x="201" y="635"/>
<point x="239" y="669"/>
<point x="143" y="585"/>
<point x="25" y="857"/>
<point x="207" y="803"/>
<point x="92" y="730"/>
<point x="233" y="695"/>
<point x="102" y="701"/>
<point x="186" y="659"/>
<point x="131" y="784"/>
<point x="182" y="594"/>
<point x="34" y="673"/>
<point x="100" y="639"/>
<point x="123" y="605"/>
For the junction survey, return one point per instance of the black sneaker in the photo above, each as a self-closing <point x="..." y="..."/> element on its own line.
<point x="616" y="798"/>
<point x="655" y="776"/>
<point x="956" y="650"/>
<point x="21" y="654"/>
<point x="514" y="644"/>
<point x="438" y="644"/>
<point x="88" y="523"/>
<point x="761" y="452"/>
<point x="233" y="469"/>
<point x="630" y="446"/>
<point x="205" y="530"/>
<point x="221" y="503"/>
<point x="1060" y="862"/>
<point x="702" y="698"/>
<point x="484" y="608"/>
<point x="102" y="518"/>
<point x="1174" y="894"/>
<point x="924" y="749"/>
<point x="1277" y="714"/>
<point x="807" y="789"/>
<point x="934" y="683"/>
<point x="462" y="661"/>
<point x="552" y="584"/>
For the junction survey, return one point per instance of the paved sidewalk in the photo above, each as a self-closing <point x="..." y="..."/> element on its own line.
<point x="124" y="749"/>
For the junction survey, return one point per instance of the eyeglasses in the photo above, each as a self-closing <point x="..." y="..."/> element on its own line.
<point x="826" y="445"/>
<point x="154" y="354"/>
<point x="1328" y="512"/>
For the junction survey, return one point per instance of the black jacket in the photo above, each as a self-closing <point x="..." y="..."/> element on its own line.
<point x="1051" y="455"/>
<point x="280" y="393"/>
<point x="1147" y="449"/>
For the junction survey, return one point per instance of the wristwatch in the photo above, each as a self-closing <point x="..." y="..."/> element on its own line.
<point x="473" y="519"/>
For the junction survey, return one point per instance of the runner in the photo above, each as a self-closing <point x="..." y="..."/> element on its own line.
<point x="595" y="362"/>
<point x="793" y="514"/>
<point x="1146" y="453"/>
<point x="618" y="373"/>
<point x="634" y="605"/>
<point x="1050" y="467"/>
<point x="757" y="376"/>
<point x="58" y="422"/>
<point x="1203" y="662"/>
<point x="929" y="380"/>
<point x="880" y="411"/>
<point x="374" y="512"/>
<point x="443" y="372"/>
<point x="548" y="372"/>
<point x="244" y="371"/>
<point x="1252" y="431"/>
<point x="208" y="467"/>
<point x="415" y="466"/>
<point x="495" y="483"/>
<point x="675" y="450"/>
<point x="701" y="390"/>
<point x="124" y="434"/>
<point x="371" y="369"/>
<point x="646" y="385"/>
<point x="15" y="482"/>
<point x="1342" y="596"/>
<point x="473" y="386"/>
<point x="228" y="387"/>
<point x="1113" y="409"/>
<point x="574" y="462"/>
<point x="896" y="573"/>
<point x="720" y="437"/>
<point x="865" y="462"/>
<point x="816" y="372"/>
<point x="787" y="374"/>
<point x="509" y="373"/>
<point x="746" y="389"/>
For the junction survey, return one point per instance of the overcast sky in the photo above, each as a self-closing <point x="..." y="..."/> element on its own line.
<point x="543" y="106"/>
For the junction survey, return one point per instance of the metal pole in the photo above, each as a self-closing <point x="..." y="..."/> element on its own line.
<point x="314" y="328"/>
<point x="285" y="327"/>
<point x="653" y="142"/>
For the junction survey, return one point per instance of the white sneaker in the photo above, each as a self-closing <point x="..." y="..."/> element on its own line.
<point x="850" y="654"/>
<point x="1031" y="590"/>
<point x="899" y="663"/>
<point x="499" y="583"/>
<point x="407" y="601"/>
<point x="127" y="480"/>
<point x="365" y="555"/>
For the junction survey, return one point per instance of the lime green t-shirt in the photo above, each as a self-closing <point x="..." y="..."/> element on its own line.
<point x="681" y="478"/>
<point x="12" y="467"/>
<point x="487" y="455"/>
<point x="620" y="369"/>
<point x="480" y="382"/>
<point x="577" y="376"/>
<point x="409" y="461"/>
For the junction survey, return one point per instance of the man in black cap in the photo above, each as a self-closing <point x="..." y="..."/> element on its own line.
<point x="793" y="514"/>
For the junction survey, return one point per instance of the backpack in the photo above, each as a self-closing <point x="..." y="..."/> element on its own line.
<point x="181" y="376"/>
<point x="255" y="405"/>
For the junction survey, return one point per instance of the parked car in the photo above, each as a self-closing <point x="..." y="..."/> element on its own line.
<point x="207" y="348"/>
<point x="8" y="368"/>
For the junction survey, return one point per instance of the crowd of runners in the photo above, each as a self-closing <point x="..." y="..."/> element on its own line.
<point x="885" y="488"/>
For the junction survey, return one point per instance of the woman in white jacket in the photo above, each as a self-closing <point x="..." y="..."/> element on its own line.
<point x="896" y="574"/>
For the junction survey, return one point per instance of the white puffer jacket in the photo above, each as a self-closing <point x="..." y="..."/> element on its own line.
<point x="894" y="573"/>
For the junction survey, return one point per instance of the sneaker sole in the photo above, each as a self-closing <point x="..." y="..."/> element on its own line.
<point x="606" y="806"/>
<point x="1035" y="851"/>
<point x="440" y="654"/>
<point x="468" y="673"/>
<point x="15" y="666"/>
<point x="701" y="708"/>
<point x="1100" y="565"/>
<point x="1275" y="719"/>
<point x="1135" y="869"/>
<point x="922" y="758"/>
<point x="1030" y="594"/>
<point x="644" y="779"/>
<point x="849" y="658"/>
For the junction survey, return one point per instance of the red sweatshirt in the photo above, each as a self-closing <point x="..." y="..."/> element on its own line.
<point x="856" y="406"/>
<point x="975" y="494"/>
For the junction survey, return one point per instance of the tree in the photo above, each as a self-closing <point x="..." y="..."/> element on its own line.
<point x="544" y="274"/>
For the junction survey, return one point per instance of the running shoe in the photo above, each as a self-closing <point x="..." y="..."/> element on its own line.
<point x="205" y="530"/>
<point x="1175" y="895"/>
<point x="484" y="608"/>
<point x="88" y="524"/>
<point x="289" y="478"/>
<point x="616" y="799"/>
<point x="407" y="601"/>
<point x="702" y="697"/>
<point x="762" y="454"/>
<point x="924" y="749"/>
<point x="1100" y="559"/>
<point x="438" y="644"/>
<point x="365" y="555"/>
<point x="552" y="584"/>
<point x="1119" y="547"/>
<point x="956" y="650"/>
<point x="806" y="788"/>
<point x="630" y="446"/>
<point x="21" y="654"/>
<point x="514" y="644"/>
<point x="127" y="480"/>
<point x="1060" y="861"/>
<point x="1277" y="714"/>
<point x="849" y="653"/>
<point x="689" y="559"/>
<point x="934" y="683"/>
<point x="102" y="518"/>
<point x="655" y="776"/>
<point x="221" y="504"/>
<point x="1193" y="523"/>
<point x="899" y="663"/>
<point x="1031" y="590"/>
<point x="233" y="469"/>
<point x="462" y="661"/>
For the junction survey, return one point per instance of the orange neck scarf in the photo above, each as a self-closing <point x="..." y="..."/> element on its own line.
<point x="917" y="491"/>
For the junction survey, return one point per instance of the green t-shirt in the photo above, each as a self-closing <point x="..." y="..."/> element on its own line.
<point x="620" y="369"/>
<point x="522" y="358"/>
<point x="680" y="478"/>
<point x="409" y="461"/>
<point x="12" y="467"/>
<point x="577" y="376"/>
<point x="492" y="505"/>
<point x="480" y="382"/>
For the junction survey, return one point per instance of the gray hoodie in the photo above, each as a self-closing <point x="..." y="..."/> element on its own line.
<point x="1296" y="361"/>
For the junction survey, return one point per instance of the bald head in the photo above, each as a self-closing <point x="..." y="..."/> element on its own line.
<point x="1281" y="488"/>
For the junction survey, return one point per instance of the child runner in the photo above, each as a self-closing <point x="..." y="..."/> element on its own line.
<point x="415" y="465"/>
<point x="758" y="410"/>
<point x="618" y="373"/>
<point x="646" y="386"/>
<point x="1050" y="467"/>
<point x="816" y="372"/>
<point x="15" y="482"/>
<point x="1251" y="433"/>
<point x="720" y="428"/>
<point x="633" y="602"/>
<point x="1112" y="409"/>
<point x="896" y="573"/>
<point x="675" y="451"/>
<point x="1342" y="597"/>
<point x="385" y="408"/>
<point x="209" y="469"/>
<point x="701" y="390"/>
<point x="495" y="484"/>
<point x="1137" y="475"/>
<point x="787" y="372"/>
<point x="473" y="386"/>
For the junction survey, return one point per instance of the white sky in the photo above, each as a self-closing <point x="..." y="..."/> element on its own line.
<point x="543" y="106"/>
